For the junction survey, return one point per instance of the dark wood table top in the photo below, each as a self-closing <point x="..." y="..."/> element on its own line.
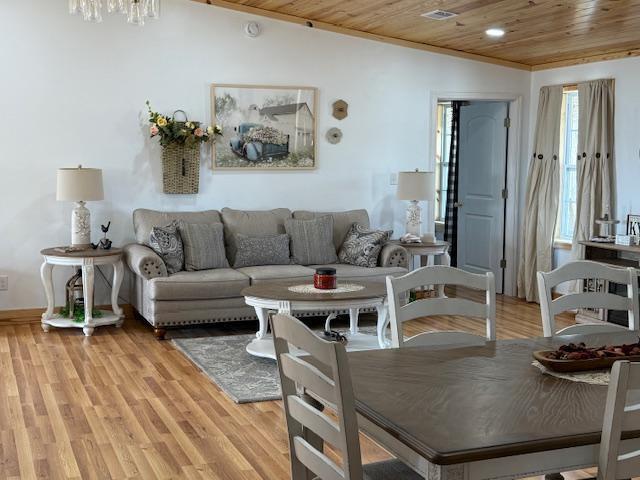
<point x="476" y="403"/>
<point x="280" y="291"/>
<point x="86" y="253"/>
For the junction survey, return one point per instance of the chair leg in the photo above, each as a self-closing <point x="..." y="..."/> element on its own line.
<point x="159" y="333"/>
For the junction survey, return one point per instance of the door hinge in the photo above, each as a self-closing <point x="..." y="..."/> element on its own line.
<point x="503" y="263"/>
<point x="507" y="122"/>
<point x="505" y="193"/>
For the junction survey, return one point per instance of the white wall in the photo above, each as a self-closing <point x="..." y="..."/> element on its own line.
<point x="74" y="93"/>
<point x="627" y="119"/>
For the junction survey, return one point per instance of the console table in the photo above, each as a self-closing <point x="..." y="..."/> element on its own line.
<point x="86" y="260"/>
<point x="612" y="254"/>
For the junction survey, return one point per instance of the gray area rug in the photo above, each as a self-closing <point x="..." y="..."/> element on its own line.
<point x="224" y="360"/>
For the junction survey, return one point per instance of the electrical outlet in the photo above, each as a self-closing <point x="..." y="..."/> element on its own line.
<point x="4" y="282"/>
<point x="393" y="179"/>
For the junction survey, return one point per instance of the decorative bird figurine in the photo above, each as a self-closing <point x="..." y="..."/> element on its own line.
<point x="105" y="243"/>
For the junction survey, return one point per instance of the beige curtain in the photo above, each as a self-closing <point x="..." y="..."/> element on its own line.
<point x="542" y="196"/>
<point x="594" y="196"/>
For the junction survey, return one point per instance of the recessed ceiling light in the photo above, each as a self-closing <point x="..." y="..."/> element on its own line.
<point x="494" y="32"/>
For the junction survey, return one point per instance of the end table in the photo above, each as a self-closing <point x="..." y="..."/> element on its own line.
<point x="424" y="250"/>
<point x="86" y="260"/>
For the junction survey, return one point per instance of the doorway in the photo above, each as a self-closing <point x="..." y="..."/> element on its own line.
<point x="472" y="171"/>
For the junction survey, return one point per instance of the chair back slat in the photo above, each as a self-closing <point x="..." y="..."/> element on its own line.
<point x="450" y="339"/>
<point x="314" y="419"/>
<point x="316" y="461"/>
<point x="324" y="375"/>
<point x="581" y="270"/>
<point x="400" y="312"/>
<point x="620" y="417"/>
<point x="308" y="376"/>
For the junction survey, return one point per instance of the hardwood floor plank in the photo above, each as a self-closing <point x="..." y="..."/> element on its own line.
<point x="121" y="404"/>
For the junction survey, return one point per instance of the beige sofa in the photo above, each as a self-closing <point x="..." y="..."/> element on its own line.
<point x="209" y="296"/>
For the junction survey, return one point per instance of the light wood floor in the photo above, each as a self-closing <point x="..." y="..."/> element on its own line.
<point x="121" y="404"/>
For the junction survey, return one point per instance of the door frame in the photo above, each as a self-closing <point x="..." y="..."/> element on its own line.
<point x="514" y="140"/>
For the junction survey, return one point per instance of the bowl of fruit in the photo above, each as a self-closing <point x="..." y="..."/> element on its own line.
<point x="577" y="357"/>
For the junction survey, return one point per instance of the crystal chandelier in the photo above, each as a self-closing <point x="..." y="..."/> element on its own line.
<point x="135" y="10"/>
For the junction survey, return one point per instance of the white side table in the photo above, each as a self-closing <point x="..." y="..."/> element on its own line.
<point x="437" y="249"/>
<point x="86" y="260"/>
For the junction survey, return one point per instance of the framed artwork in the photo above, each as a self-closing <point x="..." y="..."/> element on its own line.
<point x="633" y="225"/>
<point x="264" y="127"/>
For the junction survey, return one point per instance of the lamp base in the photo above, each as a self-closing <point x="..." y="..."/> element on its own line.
<point x="80" y="226"/>
<point x="413" y="218"/>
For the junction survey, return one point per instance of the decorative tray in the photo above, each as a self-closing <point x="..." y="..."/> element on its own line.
<point x="580" y="358"/>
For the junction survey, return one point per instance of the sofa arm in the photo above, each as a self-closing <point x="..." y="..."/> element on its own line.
<point x="393" y="255"/>
<point x="144" y="262"/>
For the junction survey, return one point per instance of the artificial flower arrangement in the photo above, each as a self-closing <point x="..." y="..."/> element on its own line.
<point x="184" y="132"/>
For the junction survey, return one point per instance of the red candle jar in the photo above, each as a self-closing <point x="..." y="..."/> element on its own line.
<point x="325" y="279"/>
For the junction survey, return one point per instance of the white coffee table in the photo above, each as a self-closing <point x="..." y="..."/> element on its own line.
<point x="277" y="297"/>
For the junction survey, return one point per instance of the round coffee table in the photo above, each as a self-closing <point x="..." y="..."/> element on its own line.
<point x="279" y="297"/>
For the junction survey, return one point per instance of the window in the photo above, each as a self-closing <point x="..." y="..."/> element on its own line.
<point x="568" y="156"/>
<point x="443" y="143"/>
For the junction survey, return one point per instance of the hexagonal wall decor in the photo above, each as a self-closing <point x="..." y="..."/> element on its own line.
<point x="340" y="109"/>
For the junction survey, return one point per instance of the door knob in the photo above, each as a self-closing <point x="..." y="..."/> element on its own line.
<point x="458" y="204"/>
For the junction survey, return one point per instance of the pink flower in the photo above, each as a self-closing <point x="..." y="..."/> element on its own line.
<point x="153" y="130"/>
<point x="198" y="132"/>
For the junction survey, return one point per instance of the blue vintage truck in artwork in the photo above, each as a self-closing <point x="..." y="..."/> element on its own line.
<point x="256" y="151"/>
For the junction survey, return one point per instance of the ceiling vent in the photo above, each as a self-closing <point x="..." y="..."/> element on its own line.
<point x="439" y="15"/>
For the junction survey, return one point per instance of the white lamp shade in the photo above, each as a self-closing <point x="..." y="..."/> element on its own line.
<point x="79" y="184"/>
<point x="416" y="186"/>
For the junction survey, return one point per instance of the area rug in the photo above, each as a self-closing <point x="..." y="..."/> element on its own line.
<point x="243" y="377"/>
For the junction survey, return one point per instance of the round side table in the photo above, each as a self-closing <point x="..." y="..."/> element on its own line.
<point x="86" y="260"/>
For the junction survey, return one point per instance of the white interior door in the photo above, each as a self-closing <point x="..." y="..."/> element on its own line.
<point x="481" y="181"/>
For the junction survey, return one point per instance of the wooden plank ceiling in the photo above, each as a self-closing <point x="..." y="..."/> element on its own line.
<point x="539" y="33"/>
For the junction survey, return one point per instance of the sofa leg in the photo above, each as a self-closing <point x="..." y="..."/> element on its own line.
<point x="159" y="333"/>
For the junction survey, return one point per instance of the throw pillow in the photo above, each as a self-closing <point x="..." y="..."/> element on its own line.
<point x="167" y="243"/>
<point x="203" y="246"/>
<point x="362" y="246"/>
<point x="261" y="250"/>
<point x="312" y="240"/>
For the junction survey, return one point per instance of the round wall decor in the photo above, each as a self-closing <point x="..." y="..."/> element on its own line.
<point x="252" y="29"/>
<point x="334" y="135"/>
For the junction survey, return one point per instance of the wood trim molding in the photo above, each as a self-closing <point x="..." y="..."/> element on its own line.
<point x="33" y="315"/>
<point x="581" y="61"/>
<point x="360" y="34"/>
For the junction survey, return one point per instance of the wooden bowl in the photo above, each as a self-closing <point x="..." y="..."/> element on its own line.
<point x="566" y="366"/>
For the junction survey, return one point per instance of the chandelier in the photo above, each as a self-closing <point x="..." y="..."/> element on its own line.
<point x="135" y="10"/>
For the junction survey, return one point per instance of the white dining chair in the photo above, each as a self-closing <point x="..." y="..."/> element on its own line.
<point x="306" y="390"/>
<point x="400" y="311"/>
<point x="582" y="270"/>
<point x="620" y="416"/>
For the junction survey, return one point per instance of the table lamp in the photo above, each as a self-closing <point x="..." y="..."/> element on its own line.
<point x="416" y="186"/>
<point x="80" y="185"/>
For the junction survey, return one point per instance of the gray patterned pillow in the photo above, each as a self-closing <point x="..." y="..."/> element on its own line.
<point x="167" y="243"/>
<point x="362" y="247"/>
<point x="261" y="250"/>
<point x="203" y="246"/>
<point x="312" y="240"/>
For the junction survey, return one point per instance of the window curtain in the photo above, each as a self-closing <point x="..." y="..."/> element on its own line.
<point x="594" y="195"/>
<point x="542" y="194"/>
<point x="451" y="217"/>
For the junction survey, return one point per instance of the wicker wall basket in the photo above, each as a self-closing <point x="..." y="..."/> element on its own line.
<point x="181" y="168"/>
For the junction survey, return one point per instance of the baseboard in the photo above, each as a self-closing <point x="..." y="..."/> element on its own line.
<point x="33" y="315"/>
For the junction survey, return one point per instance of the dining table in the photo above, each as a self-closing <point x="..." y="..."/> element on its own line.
<point x="482" y="412"/>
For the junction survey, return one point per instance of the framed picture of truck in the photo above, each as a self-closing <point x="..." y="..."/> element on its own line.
<point x="264" y="127"/>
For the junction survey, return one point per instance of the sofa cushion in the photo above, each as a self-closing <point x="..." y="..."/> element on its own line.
<point x="312" y="240"/>
<point x="203" y="246"/>
<point x="342" y="221"/>
<point x="263" y="222"/>
<point x="167" y="243"/>
<point x="277" y="273"/>
<point x="201" y="285"/>
<point x="144" y="220"/>
<point x="262" y="250"/>
<point x="362" y="246"/>
<point x="346" y="272"/>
